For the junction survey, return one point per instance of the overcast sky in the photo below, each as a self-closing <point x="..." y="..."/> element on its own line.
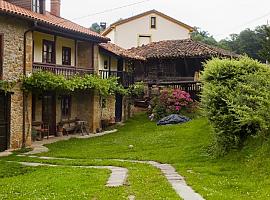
<point x="218" y="17"/>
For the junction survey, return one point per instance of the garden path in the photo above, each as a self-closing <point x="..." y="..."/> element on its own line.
<point x="119" y="175"/>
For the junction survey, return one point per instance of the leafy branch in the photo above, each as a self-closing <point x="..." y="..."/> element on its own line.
<point x="6" y="86"/>
<point x="43" y="81"/>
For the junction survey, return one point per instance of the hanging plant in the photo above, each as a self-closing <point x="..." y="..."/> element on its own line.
<point x="44" y="81"/>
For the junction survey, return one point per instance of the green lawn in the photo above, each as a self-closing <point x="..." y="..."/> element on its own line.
<point x="240" y="175"/>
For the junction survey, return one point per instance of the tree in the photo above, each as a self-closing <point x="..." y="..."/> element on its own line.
<point x="95" y="27"/>
<point x="265" y="51"/>
<point x="248" y="42"/>
<point x="203" y="36"/>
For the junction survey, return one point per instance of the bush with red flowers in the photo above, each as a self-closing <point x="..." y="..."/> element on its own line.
<point x="171" y="101"/>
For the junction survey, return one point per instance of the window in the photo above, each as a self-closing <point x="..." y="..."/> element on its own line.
<point x="153" y="22"/>
<point x="66" y="107"/>
<point x="1" y="55"/>
<point x="48" y="52"/>
<point x="144" y="40"/>
<point x="66" y="56"/>
<point x="105" y="64"/>
<point x="37" y="6"/>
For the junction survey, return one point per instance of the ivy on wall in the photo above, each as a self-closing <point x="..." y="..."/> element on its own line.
<point x="44" y="81"/>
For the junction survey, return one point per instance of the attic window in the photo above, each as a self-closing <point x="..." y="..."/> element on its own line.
<point x="153" y="22"/>
<point x="37" y="6"/>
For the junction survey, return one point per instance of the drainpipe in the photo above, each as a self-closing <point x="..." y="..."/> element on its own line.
<point x="24" y="74"/>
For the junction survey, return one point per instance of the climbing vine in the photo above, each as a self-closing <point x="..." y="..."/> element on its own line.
<point x="46" y="81"/>
<point x="6" y="86"/>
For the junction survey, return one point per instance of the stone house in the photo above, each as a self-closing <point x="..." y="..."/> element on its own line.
<point x="32" y="39"/>
<point x="150" y="26"/>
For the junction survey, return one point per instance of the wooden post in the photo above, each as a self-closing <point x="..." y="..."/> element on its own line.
<point x="55" y="40"/>
<point x="76" y="53"/>
<point x="110" y="65"/>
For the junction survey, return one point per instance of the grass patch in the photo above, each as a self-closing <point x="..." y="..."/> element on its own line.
<point x="239" y="175"/>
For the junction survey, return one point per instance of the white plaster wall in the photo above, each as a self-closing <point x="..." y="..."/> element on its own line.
<point x="60" y="42"/>
<point x="111" y="35"/>
<point x="127" y="35"/>
<point x="103" y="57"/>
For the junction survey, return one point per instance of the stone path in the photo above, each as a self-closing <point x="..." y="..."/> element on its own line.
<point x="38" y="146"/>
<point x="117" y="178"/>
<point x="5" y="153"/>
<point x="119" y="175"/>
<point x="177" y="181"/>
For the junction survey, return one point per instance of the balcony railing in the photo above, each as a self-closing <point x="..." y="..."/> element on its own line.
<point x="125" y="78"/>
<point x="66" y="71"/>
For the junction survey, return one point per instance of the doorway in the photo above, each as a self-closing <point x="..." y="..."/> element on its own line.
<point x="118" y="107"/>
<point x="49" y="112"/>
<point x="4" y="121"/>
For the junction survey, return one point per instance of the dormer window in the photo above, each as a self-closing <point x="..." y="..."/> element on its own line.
<point x="153" y="22"/>
<point x="37" y="6"/>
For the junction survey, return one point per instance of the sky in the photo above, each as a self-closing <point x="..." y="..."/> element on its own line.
<point x="219" y="17"/>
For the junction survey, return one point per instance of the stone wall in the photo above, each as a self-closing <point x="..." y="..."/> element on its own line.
<point x="108" y="110"/>
<point x="128" y="108"/>
<point x="13" y="56"/>
<point x="81" y="105"/>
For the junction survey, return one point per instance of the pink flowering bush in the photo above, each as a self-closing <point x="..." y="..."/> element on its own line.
<point x="172" y="101"/>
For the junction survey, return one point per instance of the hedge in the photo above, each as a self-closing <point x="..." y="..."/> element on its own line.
<point x="236" y="100"/>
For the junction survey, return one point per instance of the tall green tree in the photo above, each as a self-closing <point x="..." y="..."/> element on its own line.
<point x="248" y="42"/>
<point x="265" y="51"/>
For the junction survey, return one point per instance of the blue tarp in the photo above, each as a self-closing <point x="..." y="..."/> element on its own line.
<point x="173" y="119"/>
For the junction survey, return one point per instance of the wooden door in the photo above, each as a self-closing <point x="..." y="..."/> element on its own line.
<point x="1" y="55"/>
<point x="4" y="121"/>
<point x="118" y="107"/>
<point x="120" y="68"/>
<point x="49" y="112"/>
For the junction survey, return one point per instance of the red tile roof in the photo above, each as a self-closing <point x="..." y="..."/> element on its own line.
<point x="49" y="19"/>
<point x="120" y="51"/>
<point x="179" y="49"/>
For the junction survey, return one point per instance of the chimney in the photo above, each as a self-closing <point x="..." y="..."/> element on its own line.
<point x="55" y="7"/>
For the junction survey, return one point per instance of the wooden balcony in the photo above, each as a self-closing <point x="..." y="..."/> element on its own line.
<point x="125" y="78"/>
<point x="66" y="71"/>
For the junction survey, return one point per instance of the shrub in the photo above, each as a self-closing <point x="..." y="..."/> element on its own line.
<point x="136" y="90"/>
<point x="171" y="102"/>
<point x="236" y="100"/>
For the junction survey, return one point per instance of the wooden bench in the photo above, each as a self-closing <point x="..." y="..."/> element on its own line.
<point x="68" y="126"/>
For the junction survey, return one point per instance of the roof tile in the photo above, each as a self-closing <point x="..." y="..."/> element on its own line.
<point x="47" y="18"/>
<point x="120" y="51"/>
<point x="179" y="48"/>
